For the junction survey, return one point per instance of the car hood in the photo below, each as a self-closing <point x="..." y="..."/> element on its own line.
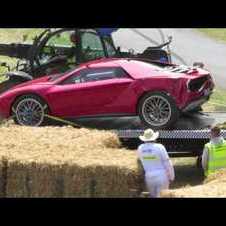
<point x="40" y="81"/>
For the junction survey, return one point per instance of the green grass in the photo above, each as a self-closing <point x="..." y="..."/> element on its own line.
<point x="15" y="36"/>
<point x="216" y="33"/>
<point x="217" y="101"/>
<point x="186" y="173"/>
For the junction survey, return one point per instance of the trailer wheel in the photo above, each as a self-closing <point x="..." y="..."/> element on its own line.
<point x="29" y="110"/>
<point x="158" y="110"/>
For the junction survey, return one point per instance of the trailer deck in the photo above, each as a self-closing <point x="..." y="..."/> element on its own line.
<point x="187" y="138"/>
<point x="195" y="125"/>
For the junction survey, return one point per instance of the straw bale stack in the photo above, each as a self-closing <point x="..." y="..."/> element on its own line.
<point x="66" y="162"/>
<point x="213" y="186"/>
<point x="3" y="177"/>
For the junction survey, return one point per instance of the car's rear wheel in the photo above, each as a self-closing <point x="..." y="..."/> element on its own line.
<point x="29" y="110"/>
<point x="158" y="110"/>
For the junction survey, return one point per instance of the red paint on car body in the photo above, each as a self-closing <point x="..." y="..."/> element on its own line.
<point x="108" y="97"/>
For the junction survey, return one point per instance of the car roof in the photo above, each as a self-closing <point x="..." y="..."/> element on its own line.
<point x="136" y="68"/>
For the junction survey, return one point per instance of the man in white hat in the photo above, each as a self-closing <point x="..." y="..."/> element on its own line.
<point x="159" y="171"/>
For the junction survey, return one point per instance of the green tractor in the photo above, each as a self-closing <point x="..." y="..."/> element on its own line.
<point x="56" y="51"/>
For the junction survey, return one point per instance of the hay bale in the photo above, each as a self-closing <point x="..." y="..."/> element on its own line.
<point x="35" y="180"/>
<point x="46" y="180"/>
<point x="100" y="181"/>
<point x="16" y="186"/>
<point x="3" y="177"/>
<point x="222" y="125"/>
<point x="42" y="180"/>
<point x="213" y="186"/>
<point x="67" y="162"/>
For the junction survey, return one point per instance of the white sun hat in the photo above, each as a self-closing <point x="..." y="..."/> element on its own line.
<point x="149" y="135"/>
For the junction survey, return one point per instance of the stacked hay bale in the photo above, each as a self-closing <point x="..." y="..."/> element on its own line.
<point x="65" y="162"/>
<point x="222" y="125"/>
<point x="213" y="186"/>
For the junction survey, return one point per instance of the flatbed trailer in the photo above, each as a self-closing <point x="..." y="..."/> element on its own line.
<point x="187" y="138"/>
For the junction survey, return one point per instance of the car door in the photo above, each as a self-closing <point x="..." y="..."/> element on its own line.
<point x="93" y="92"/>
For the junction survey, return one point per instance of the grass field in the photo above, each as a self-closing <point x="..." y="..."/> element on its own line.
<point x="217" y="101"/>
<point x="216" y="33"/>
<point x="187" y="173"/>
<point x="15" y="36"/>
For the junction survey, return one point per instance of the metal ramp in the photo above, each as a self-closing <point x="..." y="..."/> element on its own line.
<point x="187" y="138"/>
<point x="190" y="126"/>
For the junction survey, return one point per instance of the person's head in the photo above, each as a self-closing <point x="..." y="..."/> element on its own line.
<point x="215" y="132"/>
<point x="73" y="37"/>
<point x="149" y="136"/>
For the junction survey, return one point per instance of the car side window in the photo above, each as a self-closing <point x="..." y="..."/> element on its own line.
<point x="96" y="74"/>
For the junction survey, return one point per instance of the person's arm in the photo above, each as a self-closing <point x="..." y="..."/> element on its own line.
<point x="139" y="153"/>
<point x="171" y="170"/>
<point x="168" y="166"/>
<point x="204" y="158"/>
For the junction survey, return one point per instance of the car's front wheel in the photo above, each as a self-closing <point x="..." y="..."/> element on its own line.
<point x="158" y="110"/>
<point x="29" y="110"/>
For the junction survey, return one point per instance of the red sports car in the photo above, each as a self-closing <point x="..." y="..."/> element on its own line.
<point x="111" y="87"/>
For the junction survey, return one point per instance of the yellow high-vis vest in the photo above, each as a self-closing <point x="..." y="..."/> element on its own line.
<point x="217" y="157"/>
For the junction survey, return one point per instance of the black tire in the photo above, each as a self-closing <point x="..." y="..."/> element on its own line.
<point x="40" y="105"/>
<point x="171" y="118"/>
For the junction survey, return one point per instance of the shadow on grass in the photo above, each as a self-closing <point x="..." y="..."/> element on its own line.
<point x="187" y="175"/>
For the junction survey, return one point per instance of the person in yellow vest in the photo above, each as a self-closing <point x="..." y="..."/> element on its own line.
<point x="214" y="153"/>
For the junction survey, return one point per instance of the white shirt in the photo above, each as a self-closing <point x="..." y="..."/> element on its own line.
<point x="154" y="157"/>
<point x="205" y="155"/>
